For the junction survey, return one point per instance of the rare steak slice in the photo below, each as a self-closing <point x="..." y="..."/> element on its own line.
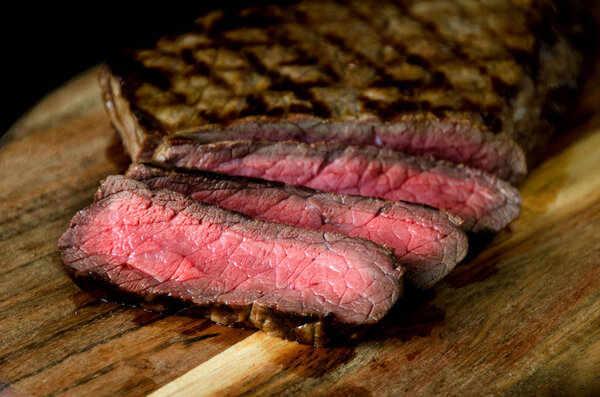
<point x="425" y="241"/>
<point x="163" y="247"/>
<point x="478" y="83"/>
<point x="483" y="201"/>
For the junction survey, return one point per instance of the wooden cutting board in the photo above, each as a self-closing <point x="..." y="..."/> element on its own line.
<point x="521" y="318"/>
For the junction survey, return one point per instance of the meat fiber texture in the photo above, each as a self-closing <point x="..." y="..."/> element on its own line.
<point x="477" y="83"/>
<point x="161" y="247"/>
<point x="425" y="241"/>
<point x="484" y="202"/>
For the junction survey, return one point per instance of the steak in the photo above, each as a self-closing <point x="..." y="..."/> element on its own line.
<point x="425" y="241"/>
<point x="478" y="83"/>
<point x="483" y="201"/>
<point x="161" y="247"/>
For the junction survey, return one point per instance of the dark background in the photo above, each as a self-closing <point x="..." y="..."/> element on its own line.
<point x="43" y="47"/>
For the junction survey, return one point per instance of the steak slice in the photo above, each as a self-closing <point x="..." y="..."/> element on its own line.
<point x="425" y="241"/>
<point x="161" y="246"/>
<point x="483" y="201"/>
<point x="479" y="83"/>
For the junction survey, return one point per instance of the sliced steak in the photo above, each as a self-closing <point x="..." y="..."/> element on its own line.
<point x="161" y="246"/>
<point x="483" y="201"/>
<point x="479" y="83"/>
<point x="425" y="241"/>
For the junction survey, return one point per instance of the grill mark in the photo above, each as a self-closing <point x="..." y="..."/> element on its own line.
<point x="438" y="81"/>
<point x="327" y="68"/>
<point x="146" y="119"/>
<point x="254" y="17"/>
<point x="380" y="37"/>
<point x="278" y="83"/>
<point x="155" y="76"/>
<point x="431" y="28"/>
<point x="257" y="105"/>
<point x="209" y="70"/>
<point x="392" y="110"/>
<point x="505" y="91"/>
<point x="417" y="60"/>
<point x="283" y="83"/>
<point x="341" y="44"/>
<point x="386" y="81"/>
<point x="530" y="62"/>
<point x="492" y="121"/>
<point x="527" y="60"/>
<point x="321" y="109"/>
<point x="189" y="59"/>
<point x="269" y="20"/>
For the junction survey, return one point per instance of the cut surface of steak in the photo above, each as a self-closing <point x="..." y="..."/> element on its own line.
<point x="160" y="245"/>
<point x="483" y="201"/>
<point x="425" y="241"/>
<point x="473" y="83"/>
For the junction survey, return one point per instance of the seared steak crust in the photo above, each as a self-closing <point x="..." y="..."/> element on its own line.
<point x="162" y="247"/>
<point x="470" y="82"/>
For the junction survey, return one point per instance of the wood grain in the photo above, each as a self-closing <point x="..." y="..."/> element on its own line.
<point x="521" y="318"/>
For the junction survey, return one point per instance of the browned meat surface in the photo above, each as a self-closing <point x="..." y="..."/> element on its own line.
<point x="471" y="82"/>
